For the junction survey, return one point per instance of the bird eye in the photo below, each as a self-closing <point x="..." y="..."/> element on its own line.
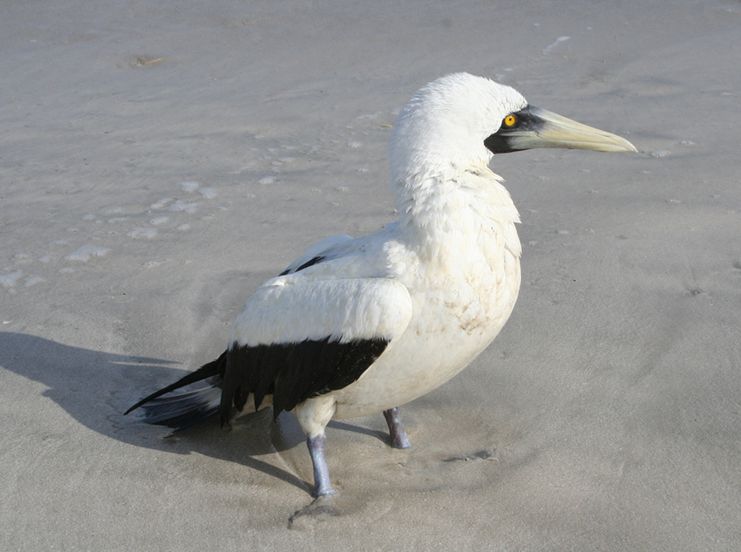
<point x="510" y="120"/>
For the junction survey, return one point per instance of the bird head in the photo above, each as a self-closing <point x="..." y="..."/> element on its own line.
<point x="462" y="120"/>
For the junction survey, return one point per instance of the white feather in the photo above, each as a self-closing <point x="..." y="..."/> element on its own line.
<point x="292" y="308"/>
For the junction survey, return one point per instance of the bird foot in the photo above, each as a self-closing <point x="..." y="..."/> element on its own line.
<point x="399" y="437"/>
<point x="321" y="509"/>
<point x="400" y="441"/>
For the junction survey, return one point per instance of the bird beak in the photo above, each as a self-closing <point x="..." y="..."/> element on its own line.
<point x="538" y="128"/>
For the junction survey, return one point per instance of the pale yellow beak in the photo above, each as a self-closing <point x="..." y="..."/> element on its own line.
<point x="539" y="128"/>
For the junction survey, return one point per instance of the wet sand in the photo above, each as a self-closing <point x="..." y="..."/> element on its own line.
<point x="158" y="162"/>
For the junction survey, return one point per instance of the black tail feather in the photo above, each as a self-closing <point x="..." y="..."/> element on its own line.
<point x="188" y="407"/>
<point x="183" y="410"/>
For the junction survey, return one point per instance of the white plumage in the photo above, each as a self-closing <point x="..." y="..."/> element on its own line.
<point x="449" y="268"/>
<point x="433" y="288"/>
<point x="284" y="310"/>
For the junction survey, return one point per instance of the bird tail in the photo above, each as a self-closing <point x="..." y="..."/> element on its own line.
<point x="186" y="408"/>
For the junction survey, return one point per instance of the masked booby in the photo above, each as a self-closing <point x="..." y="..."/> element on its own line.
<point x="358" y="326"/>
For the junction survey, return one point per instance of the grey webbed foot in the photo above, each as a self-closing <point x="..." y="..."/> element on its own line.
<point x="322" y="483"/>
<point x="321" y="510"/>
<point x="399" y="438"/>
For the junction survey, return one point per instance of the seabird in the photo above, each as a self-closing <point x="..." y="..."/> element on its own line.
<point x="363" y="325"/>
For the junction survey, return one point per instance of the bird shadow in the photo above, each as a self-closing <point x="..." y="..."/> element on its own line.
<point x="344" y="426"/>
<point x="95" y="388"/>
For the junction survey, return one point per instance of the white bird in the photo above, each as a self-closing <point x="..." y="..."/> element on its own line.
<point x="357" y="326"/>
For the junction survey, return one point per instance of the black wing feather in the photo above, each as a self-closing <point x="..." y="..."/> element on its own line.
<point x="314" y="260"/>
<point x="213" y="368"/>
<point x="294" y="372"/>
<point x="186" y="408"/>
<point x="290" y="372"/>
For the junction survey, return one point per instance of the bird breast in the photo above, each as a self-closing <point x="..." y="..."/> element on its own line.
<point x="463" y="291"/>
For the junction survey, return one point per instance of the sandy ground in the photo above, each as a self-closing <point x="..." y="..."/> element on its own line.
<point x="158" y="161"/>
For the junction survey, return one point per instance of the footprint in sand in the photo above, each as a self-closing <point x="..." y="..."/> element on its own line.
<point x="32" y="280"/>
<point x="181" y="206"/>
<point x="192" y="186"/>
<point x="484" y="454"/>
<point x="10" y="279"/>
<point x="86" y="252"/>
<point x="143" y="233"/>
<point x="161" y="204"/>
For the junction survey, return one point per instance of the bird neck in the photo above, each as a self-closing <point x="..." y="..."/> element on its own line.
<point x="449" y="204"/>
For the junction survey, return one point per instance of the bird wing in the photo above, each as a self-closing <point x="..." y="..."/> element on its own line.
<point x="320" y="251"/>
<point x="299" y="337"/>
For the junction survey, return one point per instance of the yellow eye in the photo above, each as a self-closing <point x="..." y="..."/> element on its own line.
<point x="510" y="120"/>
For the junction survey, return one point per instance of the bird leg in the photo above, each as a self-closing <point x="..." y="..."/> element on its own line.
<point x="322" y="483"/>
<point x="399" y="438"/>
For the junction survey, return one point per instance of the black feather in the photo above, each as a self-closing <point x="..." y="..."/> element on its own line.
<point x="186" y="408"/>
<point x="290" y="372"/>
<point x="293" y="372"/>
<point x="314" y="260"/>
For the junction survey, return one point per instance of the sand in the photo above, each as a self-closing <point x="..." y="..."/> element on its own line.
<point x="159" y="160"/>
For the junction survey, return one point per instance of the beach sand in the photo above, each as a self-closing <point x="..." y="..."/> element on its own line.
<point x="158" y="161"/>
